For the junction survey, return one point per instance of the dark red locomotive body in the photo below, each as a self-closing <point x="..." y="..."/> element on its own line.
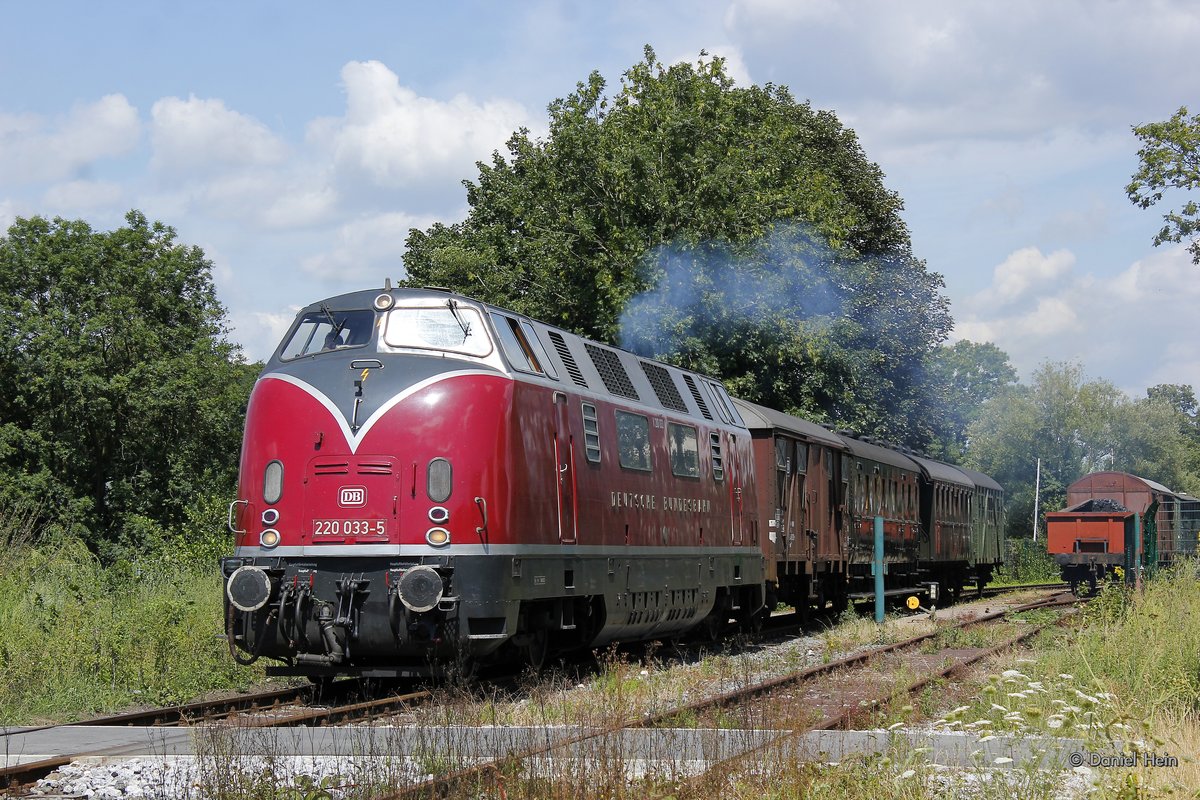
<point x="425" y="478"/>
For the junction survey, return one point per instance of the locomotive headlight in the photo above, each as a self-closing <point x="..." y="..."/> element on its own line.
<point x="437" y="536"/>
<point x="270" y="516"/>
<point x="438" y="480"/>
<point x="269" y="538"/>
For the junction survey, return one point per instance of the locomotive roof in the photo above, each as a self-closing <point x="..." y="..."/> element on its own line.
<point x="946" y="473"/>
<point x="589" y="365"/>
<point x="759" y="417"/>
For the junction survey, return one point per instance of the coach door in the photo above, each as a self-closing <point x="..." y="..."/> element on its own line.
<point x="564" y="460"/>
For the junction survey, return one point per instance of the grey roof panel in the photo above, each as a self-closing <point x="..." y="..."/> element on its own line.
<point x="759" y="417"/>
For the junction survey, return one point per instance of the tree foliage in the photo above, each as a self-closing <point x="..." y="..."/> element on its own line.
<point x="963" y="377"/>
<point x="123" y="399"/>
<point x="684" y="183"/>
<point x="1075" y="426"/>
<point x="1170" y="159"/>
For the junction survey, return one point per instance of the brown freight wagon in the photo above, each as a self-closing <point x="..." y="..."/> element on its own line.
<point x="1087" y="538"/>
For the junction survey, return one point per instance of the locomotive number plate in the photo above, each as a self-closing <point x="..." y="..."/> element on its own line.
<point x="349" y="527"/>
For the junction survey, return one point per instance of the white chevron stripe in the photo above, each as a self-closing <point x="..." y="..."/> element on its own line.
<point x="353" y="440"/>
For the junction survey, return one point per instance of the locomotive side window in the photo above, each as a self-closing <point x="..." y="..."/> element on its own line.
<point x="540" y="352"/>
<point x="524" y="351"/>
<point x="591" y="433"/>
<point x="684" y="447"/>
<point x="449" y="327"/>
<point x="327" y="330"/>
<point x="633" y="440"/>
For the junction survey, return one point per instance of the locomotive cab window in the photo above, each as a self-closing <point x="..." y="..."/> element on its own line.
<point x="326" y="330"/>
<point x="522" y="347"/>
<point x="684" y="447"/>
<point x="633" y="441"/>
<point x="448" y="327"/>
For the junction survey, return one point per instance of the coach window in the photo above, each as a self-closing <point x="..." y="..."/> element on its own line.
<point x="633" y="440"/>
<point x="591" y="433"/>
<point x="683" y="445"/>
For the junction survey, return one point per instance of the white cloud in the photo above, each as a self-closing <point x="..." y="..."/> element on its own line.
<point x="368" y="249"/>
<point x="82" y="198"/>
<point x="202" y="136"/>
<point x="391" y="136"/>
<point x="260" y="331"/>
<point x="34" y="149"/>
<point x="1024" y="269"/>
<point x="1137" y="327"/>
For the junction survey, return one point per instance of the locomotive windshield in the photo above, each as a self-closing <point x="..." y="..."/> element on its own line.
<point x="326" y="330"/>
<point x="448" y="327"/>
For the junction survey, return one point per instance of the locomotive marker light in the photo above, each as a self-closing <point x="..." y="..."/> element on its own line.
<point x="420" y="588"/>
<point x="249" y="588"/>
<point x="269" y="537"/>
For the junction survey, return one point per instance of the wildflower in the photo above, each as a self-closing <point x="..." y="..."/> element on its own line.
<point x="1003" y="760"/>
<point x="896" y="725"/>
<point x="1012" y="673"/>
<point x="998" y="708"/>
<point x="1066" y="677"/>
<point x="1054" y="722"/>
<point x="908" y="773"/>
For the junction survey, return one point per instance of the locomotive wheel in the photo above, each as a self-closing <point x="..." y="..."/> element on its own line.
<point x="537" y="649"/>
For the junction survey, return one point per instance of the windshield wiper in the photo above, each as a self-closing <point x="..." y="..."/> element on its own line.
<point x="337" y="327"/>
<point x="466" y="326"/>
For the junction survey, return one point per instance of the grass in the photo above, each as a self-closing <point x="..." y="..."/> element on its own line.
<point x="78" y="637"/>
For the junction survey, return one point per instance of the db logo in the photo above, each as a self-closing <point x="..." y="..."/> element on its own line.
<point x="352" y="496"/>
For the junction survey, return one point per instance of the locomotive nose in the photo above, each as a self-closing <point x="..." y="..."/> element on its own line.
<point x="248" y="588"/>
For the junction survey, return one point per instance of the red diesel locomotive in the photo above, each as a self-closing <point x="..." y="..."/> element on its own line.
<point x="427" y="479"/>
<point x="422" y="481"/>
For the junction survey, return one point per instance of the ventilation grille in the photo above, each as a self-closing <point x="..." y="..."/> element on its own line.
<point x="664" y="387"/>
<point x="374" y="468"/>
<point x="331" y="468"/>
<point x="615" y="378"/>
<point x="568" y="360"/>
<point x="691" y="384"/>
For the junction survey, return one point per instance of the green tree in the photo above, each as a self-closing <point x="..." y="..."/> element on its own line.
<point x="123" y="398"/>
<point x="682" y="182"/>
<point x="1170" y="159"/>
<point x="1075" y="426"/>
<point x="964" y="376"/>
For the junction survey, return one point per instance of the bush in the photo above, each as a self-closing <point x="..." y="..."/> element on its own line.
<point x="1027" y="561"/>
<point x="78" y="637"/>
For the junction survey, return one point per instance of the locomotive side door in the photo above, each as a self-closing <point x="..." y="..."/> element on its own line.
<point x="564" y="465"/>
<point x="735" y="490"/>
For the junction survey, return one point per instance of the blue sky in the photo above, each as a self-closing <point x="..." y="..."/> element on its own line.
<point x="297" y="142"/>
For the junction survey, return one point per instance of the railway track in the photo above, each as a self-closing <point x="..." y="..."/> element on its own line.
<point x="293" y="706"/>
<point x="484" y="774"/>
<point x="277" y="708"/>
